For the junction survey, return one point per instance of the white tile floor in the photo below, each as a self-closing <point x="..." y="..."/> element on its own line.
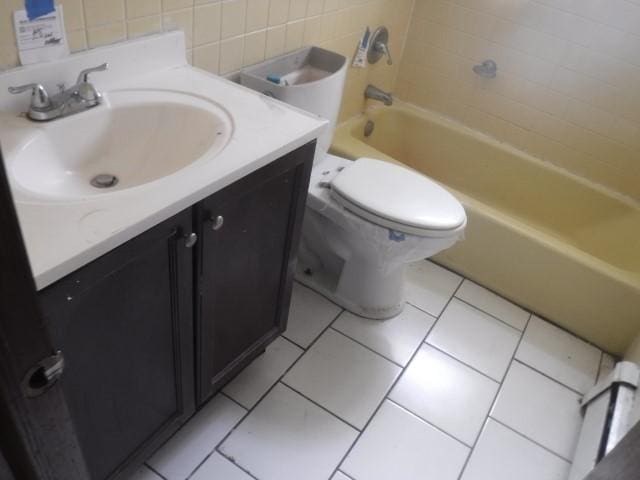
<point x="463" y="385"/>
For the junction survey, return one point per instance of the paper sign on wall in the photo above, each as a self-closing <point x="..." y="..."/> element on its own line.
<point x="42" y="38"/>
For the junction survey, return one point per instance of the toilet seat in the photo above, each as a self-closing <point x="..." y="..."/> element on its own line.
<point x="398" y="198"/>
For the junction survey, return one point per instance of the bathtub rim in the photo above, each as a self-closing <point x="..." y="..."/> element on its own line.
<point x="345" y="142"/>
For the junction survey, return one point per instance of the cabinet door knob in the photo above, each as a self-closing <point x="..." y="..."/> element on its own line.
<point x="190" y="240"/>
<point x="218" y="222"/>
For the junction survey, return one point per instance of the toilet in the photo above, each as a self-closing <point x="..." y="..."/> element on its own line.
<point x="366" y="219"/>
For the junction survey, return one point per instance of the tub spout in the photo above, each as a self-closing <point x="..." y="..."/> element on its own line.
<point x="375" y="93"/>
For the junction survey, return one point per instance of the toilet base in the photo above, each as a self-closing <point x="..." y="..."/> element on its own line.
<point x="373" y="295"/>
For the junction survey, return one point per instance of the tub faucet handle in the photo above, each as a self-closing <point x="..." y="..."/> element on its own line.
<point x="384" y="49"/>
<point x="379" y="46"/>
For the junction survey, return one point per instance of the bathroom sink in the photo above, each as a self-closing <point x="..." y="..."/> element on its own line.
<point x="133" y="138"/>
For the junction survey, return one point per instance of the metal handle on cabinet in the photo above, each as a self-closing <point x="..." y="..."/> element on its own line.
<point x="190" y="240"/>
<point x="43" y="375"/>
<point x="218" y="222"/>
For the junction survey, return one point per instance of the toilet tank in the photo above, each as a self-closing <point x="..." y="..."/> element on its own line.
<point x="311" y="79"/>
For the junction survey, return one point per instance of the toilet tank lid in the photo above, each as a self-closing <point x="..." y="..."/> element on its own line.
<point x="398" y="194"/>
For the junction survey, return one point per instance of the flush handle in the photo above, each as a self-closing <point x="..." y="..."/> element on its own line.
<point x="43" y="375"/>
<point x="218" y="222"/>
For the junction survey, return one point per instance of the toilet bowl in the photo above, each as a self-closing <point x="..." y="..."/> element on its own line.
<point x="365" y="219"/>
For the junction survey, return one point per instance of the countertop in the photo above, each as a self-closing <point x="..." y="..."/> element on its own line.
<point x="61" y="237"/>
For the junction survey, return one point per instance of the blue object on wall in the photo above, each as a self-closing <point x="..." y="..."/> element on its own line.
<point x="38" y="8"/>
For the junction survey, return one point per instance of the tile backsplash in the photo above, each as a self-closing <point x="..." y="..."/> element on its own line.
<point x="568" y="84"/>
<point x="225" y="35"/>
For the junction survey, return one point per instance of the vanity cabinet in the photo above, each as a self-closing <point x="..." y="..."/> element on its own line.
<point x="249" y="234"/>
<point x="124" y="323"/>
<point x="155" y="327"/>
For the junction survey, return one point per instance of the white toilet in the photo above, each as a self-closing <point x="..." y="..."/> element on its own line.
<point x="366" y="219"/>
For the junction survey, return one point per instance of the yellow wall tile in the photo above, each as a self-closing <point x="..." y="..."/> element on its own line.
<point x="106" y="34"/>
<point x="257" y="14"/>
<point x="567" y="84"/>
<point x="278" y="12"/>
<point x="231" y="54"/>
<point x="180" y="20"/>
<point x="234" y="14"/>
<point x="275" y="41"/>
<point x="254" y="47"/>
<point x="99" y="12"/>
<point x="168" y="5"/>
<point x="142" y="8"/>
<point x="138" y="27"/>
<point x="294" y="36"/>
<point x="206" y="23"/>
<point x="207" y="57"/>
<point x="73" y="14"/>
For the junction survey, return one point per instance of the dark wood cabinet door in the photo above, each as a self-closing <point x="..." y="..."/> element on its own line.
<point x="125" y="325"/>
<point x="250" y="233"/>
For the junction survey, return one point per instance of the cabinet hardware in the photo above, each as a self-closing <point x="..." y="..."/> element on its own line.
<point x="190" y="240"/>
<point x="218" y="222"/>
<point x="43" y="375"/>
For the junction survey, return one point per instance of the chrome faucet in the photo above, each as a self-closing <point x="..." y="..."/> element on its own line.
<point x="78" y="98"/>
<point x="374" y="93"/>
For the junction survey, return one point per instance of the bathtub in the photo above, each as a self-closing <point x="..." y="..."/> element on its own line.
<point x="567" y="250"/>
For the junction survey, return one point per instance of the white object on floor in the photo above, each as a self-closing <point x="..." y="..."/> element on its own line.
<point x="286" y="437"/>
<point x="446" y="393"/>
<point x="539" y="408"/>
<point x="502" y="454"/>
<point x="367" y="219"/>
<point x="560" y="355"/>
<point x="344" y="377"/>
<point x="399" y="445"/>
<point x="359" y="236"/>
<point x="180" y="456"/>
<point x="611" y="409"/>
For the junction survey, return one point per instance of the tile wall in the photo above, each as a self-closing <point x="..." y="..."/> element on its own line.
<point x="568" y="87"/>
<point x="224" y="36"/>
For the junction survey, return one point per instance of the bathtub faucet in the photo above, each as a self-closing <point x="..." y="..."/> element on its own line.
<point x="375" y="93"/>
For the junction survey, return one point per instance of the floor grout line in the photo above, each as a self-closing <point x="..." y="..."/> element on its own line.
<point x="154" y="471"/>
<point x="237" y="465"/>
<point x="428" y="422"/>
<point x="453" y="357"/>
<point x="462" y="300"/>
<point x="386" y="397"/>
<point x="367" y="347"/>
<point x="262" y="397"/>
<point x="530" y="439"/>
<point x="395" y="382"/>
<point x="548" y="377"/>
<point x="320" y="406"/>
<point x="495" y="400"/>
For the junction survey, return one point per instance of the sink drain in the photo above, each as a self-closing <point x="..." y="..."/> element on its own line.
<point x="104" y="180"/>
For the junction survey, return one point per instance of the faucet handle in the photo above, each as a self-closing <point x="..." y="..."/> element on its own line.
<point x="39" y="95"/>
<point x="384" y="49"/>
<point x="83" y="77"/>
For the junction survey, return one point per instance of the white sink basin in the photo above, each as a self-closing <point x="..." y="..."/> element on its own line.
<point x="135" y="136"/>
